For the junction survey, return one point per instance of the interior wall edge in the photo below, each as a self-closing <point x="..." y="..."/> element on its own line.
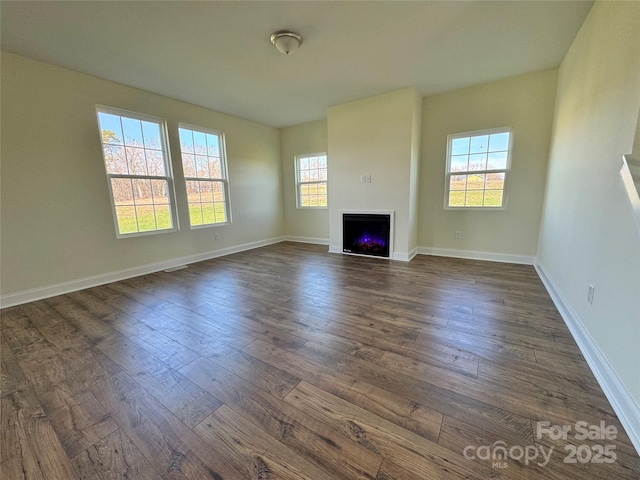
<point x="34" y="294"/>
<point x="622" y="402"/>
<point x="477" y="255"/>
<point x="312" y="240"/>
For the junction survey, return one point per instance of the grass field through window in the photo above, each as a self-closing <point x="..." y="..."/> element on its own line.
<point x="207" y="213"/>
<point x="313" y="194"/>
<point x="477" y="190"/>
<point x="145" y="216"/>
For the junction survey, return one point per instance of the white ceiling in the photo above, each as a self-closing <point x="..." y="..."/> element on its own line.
<point x="218" y="54"/>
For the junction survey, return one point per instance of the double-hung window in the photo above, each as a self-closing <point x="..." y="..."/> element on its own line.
<point x="205" y="172"/>
<point x="477" y="169"/>
<point x="311" y="180"/>
<point x="136" y="159"/>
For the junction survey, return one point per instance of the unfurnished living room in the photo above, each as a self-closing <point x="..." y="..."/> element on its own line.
<point x="377" y="240"/>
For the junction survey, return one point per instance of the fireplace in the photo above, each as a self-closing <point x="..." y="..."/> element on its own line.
<point x="366" y="234"/>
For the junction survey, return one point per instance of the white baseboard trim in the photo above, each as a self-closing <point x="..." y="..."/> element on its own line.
<point x="405" y="256"/>
<point x="34" y="294"/>
<point x="314" y="240"/>
<point x="621" y="400"/>
<point x="400" y="256"/>
<point x="335" y="249"/>
<point x="476" y="255"/>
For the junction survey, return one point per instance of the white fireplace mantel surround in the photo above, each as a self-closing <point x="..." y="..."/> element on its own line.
<point x="378" y="139"/>
<point x="391" y="213"/>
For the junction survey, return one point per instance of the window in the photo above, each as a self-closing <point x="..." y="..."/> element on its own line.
<point x="135" y="154"/>
<point x="311" y="179"/>
<point x="477" y="169"/>
<point x="205" y="173"/>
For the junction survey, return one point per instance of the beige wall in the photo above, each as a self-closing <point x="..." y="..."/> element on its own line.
<point x="57" y="224"/>
<point x="304" y="224"/>
<point x="373" y="136"/>
<point x="525" y="103"/>
<point x="588" y="235"/>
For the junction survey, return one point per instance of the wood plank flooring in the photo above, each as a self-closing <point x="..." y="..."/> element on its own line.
<point x="287" y="362"/>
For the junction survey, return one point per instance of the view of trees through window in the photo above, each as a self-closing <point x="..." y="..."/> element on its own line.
<point x="203" y="163"/>
<point x="312" y="180"/>
<point x="135" y="161"/>
<point x="477" y="169"/>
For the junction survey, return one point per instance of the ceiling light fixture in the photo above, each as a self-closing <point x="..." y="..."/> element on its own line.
<point x="286" y="41"/>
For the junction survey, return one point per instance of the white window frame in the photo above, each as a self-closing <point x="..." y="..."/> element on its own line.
<point x="168" y="177"/>
<point x="223" y="170"/>
<point x="299" y="183"/>
<point x="506" y="170"/>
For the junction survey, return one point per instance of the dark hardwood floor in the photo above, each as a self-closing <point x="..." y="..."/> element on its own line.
<point x="287" y="362"/>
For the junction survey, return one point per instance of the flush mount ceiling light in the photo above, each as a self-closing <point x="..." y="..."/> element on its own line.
<point x="286" y="41"/>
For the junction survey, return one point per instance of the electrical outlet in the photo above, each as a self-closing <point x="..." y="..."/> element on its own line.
<point x="216" y="236"/>
<point x="363" y="179"/>
<point x="368" y="178"/>
<point x="590" y="294"/>
<point x="458" y="234"/>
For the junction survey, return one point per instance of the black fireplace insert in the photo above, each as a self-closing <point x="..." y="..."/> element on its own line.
<point x="366" y="234"/>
